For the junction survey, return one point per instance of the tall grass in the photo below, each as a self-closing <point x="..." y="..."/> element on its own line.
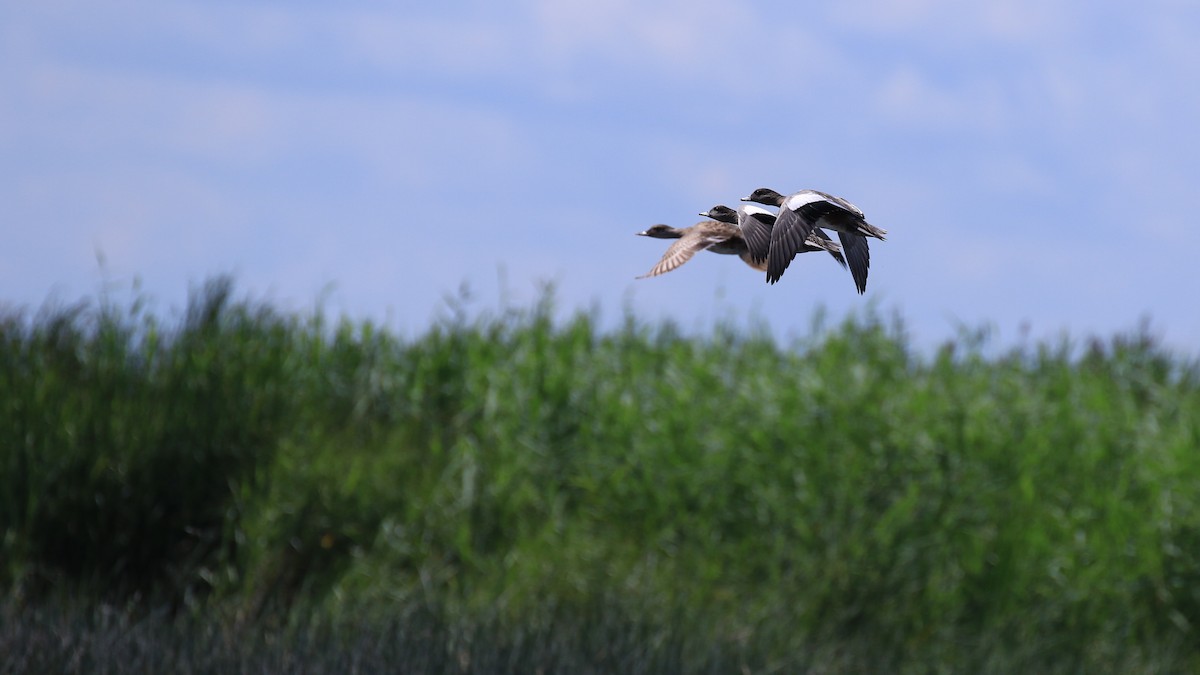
<point x="841" y="502"/>
<point x="126" y="444"/>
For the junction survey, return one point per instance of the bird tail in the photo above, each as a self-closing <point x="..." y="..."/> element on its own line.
<point x="822" y="241"/>
<point x="868" y="230"/>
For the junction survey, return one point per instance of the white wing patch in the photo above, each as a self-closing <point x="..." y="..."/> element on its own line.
<point x="751" y="209"/>
<point x="801" y="198"/>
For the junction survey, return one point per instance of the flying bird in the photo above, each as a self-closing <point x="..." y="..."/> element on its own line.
<point x="756" y="224"/>
<point x="805" y="211"/>
<point x="718" y="237"/>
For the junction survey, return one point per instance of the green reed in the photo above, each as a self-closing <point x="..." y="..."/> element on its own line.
<point x="842" y="500"/>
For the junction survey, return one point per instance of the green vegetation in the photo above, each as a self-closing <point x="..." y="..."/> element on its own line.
<point x="506" y="492"/>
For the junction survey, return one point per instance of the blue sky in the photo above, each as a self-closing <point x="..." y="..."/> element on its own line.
<point x="1035" y="162"/>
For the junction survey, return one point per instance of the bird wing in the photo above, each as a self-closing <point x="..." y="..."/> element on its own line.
<point x="843" y="217"/>
<point x="799" y="216"/>
<point x="756" y="225"/>
<point x="840" y="201"/>
<point x="819" y="240"/>
<point x="791" y="229"/>
<point x="682" y="251"/>
<point x="859" y="256"/>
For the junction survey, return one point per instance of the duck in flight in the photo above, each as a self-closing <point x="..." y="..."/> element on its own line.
<point x="712" y="235"/>
<point x="757" y="223"/>
<point x="802" y="213"/>
<point x="745" y="232"/>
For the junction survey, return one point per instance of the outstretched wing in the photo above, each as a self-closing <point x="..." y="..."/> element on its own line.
<point x="859" y="256"/>
<point x="799" y="216"/>
<point x="682" y="251"/>
<point x="756" y="224"/>
<point x="839" y="201"/>
<point x="787" y="238"/>
<point x="849" y="218"/>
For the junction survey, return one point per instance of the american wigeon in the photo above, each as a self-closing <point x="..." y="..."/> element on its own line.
<point x="712" y="235"/>
<point x="757" y="223"/>
<point x="803" y="212"/>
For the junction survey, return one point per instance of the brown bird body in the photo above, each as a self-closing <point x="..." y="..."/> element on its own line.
<point x="711" y="235"/>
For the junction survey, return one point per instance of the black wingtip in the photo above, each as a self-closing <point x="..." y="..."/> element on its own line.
<point x="860" y="283"/>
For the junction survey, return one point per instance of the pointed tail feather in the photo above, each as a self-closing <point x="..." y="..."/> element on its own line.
<point x="820" y="240"/>
<point x="868" y="230"/>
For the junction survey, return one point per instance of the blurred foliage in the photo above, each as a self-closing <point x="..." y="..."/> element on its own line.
<point x="841" y="501"/>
